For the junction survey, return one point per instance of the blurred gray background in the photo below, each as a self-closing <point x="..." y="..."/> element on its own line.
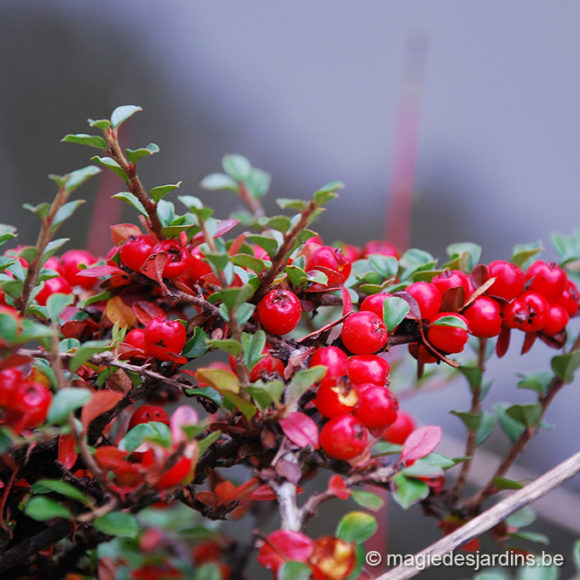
<point x="471" y="106"/>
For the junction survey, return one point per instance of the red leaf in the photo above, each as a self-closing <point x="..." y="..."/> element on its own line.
<point x="153" y="268"/>
<point x="300" y="429"/>
<point x="338" y="488"/>
<point x="503" y="342"/>
<point x="223" y="228"/>
<point x="284" y="545"/>
<point x="101" y="402"/>
<point x="147" y="311"/>
<point x="67" y="454"/>
<point x="100" y="271"/>
<point x="421" y="442"/>
<point x="122" y="232"/>
<point x="346" y="301"/>
<point x="265" y="493"/>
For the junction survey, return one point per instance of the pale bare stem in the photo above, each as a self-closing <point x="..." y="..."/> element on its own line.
<point x="44" y="238"/>
<point x="253" y="204"/>
<point x="290" y="514"/>
<point x="137" y="189"/>
<point x="279" y="260"/>
<point x="102" y="510"/>
<point x="471" y="436"/>
<point x="490" y="518"/>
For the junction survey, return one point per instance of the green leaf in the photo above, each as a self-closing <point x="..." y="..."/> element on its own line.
<point x="41" y="210"/>
<point x="65" y="402"/>
<point x="253" y="346"/>
<point x="208" y="393"/>
<point x="576" y="554"/>
<point x="356" y="527"/>
<point x="76" y="178"/>
<point x="112" y="165"/>
<point x="135" y="155"/>
<point x="6" y="233"/>
<point x="102" y="124"/>
<point x="486" y="427"/>
<point x="220" y="379"/>
<point x="450" y="320"/>
<point x="267" y="242"/>
<point x="327" y="192"/>
<point x="539" y="381"/>
<point x="278" y="222"/>
<point x="302" y="381"/>
<point x="153" y="431"/>
<point x="564" y="365"/>
<point x="122" y="524"/>
<point x="394" y="311"/>
<point x="220" y="261"/>
<point x="8" y="328"/>
<point x="409" y="490"/>
<point x="233" y="297"/>
<point x="65" y="212"/>
<point x="471" y="420"/>
<point x="292" y="570"/>
<point x="161" y="191"/>
<point x="208" y="441"/>
<point x="42" y="509"/>
<point x="122" y="113"/>
<point x="228" y="345"/>
<point x="539" y="571"/>
<point x="287" y="203"/>
<point x="248" y="409"/>
<point x="87" y="350"/>
<point x="132" y="200"/>
<point x="208" y="571"/>
<point x="63" y="488"/>
<point x="568" y="247"/>
<point x="368" y="500"/>
<point x="512" y="428"/>
<point x="414" y="258"/>
<point x="505" y="483"/>
<point x="522" y="518"/>
<point x="463" y="256"/>
<point x="237" y="167"/>
<point x="386" y="448"/>
<point x="531" y="537"/>
<point x="84" y="139"/>
<point x="56" y="303"/>
<point x="385" y="266"/>
<point x="246" y="261"/>
<point x="197" y="345"/>
<point x="523" y="253"/>
<point x="528" y="415"/>
<point x="218" y="181"/>
<point x="266" y="393"/>
<point x="258" y="183"/>
<point x="473" y="375"/>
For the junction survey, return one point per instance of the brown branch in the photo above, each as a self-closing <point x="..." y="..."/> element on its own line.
<point x="137" y="189"/>
<point x="487" y="520"/>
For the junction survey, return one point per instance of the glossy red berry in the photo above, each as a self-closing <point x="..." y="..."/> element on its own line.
<point x="364" y="333"/>
<point x="164" y="337"/>
<point x="176" y="475"/>
<point x="198" y="265"/>
<point x="570" y="298"/>
<point x="509" y="280"/>
<point x="528" y="312"/>
<point x="421" y="353"/>
<point x="381" y="247"/>
<point x="332" y="262"/>
<point x="374" y="303"/>
<point x="177" y="258"/>
<point x="452" y="279"/>
<point x="10" y="380"/>
<point x="148" y="413"/>
<point x="549" y="280"/>
<point x="398" y="432"/>
<point x="343" y="437"/>
<point x="336" y="397"/>
<point x="136" y="338"/>
<point x="428" y="298"/>
<point x="484" y="317"/>
<point x="333" y="358"/>
<point x="29" y="401"/>
<point x="73" y="262"/>
<point x="58" y="285"/>
<point x="450" y="335"/>
<point x="279" y="311"/>
<point x="136" y="250"/>
<point x="368" y="368"/>
<point x="377" y="407"/>
<point x="556" y="320"/>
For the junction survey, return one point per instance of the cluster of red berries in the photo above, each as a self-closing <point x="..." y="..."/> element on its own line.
<point x="24" y="403"/>
<point x="162" y="338"/>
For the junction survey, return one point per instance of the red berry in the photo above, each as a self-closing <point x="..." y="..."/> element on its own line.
<point x="484" y="317"/>
<point x="403" y="426"/>
<point x="529" y="312"/>
<point x="364" y="333"/>
<point x="198" y="266"/>
<point x="175" y="475"/>
<point x="377" y="407"/>
<point x="421" y="353"/>
<point x="52" y="286"/>
<point x="549" y="280"/>
<point x="368" y="368"/>
<point x="136" y="250"/>
<point x="330" y="261"/>
<point x="452" y="279"/>
<point x="335" y="397"/>
<point x="570" y="298"/>
<point x="381" y="247"/>
<point x="332" y="559"/>
<point x="10" y="380"/>
<point x="279" y="311"/>
<point x="374" y="303"/>
<point x="509" y="280"/>
<point x="136" y="338"/>
<point x="333" y="358"/>
<point x="343" y="437"/>
<point x="428" y="298"/>
<point x="70" y="266"/>
<point x="447" y="337"/>
<point x="148" y="413"/>
<point x="177" y="258"/>
<point x="556" y="321"/>
<point x="164" y="337"/>
<point x="28" y="406"/>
